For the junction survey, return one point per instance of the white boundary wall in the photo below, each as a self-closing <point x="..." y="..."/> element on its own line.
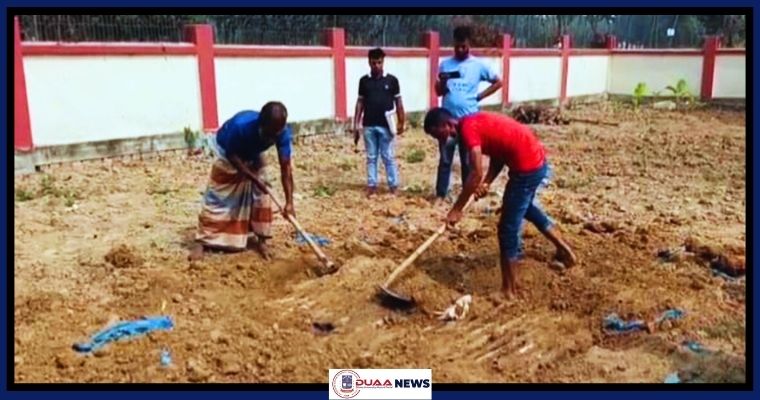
<point x="79" y="99"/>
<point x="657" y="71"/>
<point x="84" y="99"/>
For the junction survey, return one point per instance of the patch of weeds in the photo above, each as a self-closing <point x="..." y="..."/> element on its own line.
<point x="70" y="197"/>
<point x="160" y="188"/>
<point x="415" y="156"/>
<point x="346" y="165"/>
<point x="639" y="92"/>
<point x="324" y="191"/>
<point x="713" y="175"/>
<point x="48" y="187"/>
<point x="192" y="138"/>
<point x="725" y="329"/>
<point x="414" y="189"/>
<point x="682" y="93"/>
<point x="23" y="195"/>
<point x="572" y="182"/>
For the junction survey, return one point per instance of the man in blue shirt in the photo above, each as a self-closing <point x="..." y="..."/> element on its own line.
<point x="458" y="81"/>
<point x="236" y="204"/>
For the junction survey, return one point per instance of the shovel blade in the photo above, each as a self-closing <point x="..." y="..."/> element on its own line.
<point x="394" y="300"/>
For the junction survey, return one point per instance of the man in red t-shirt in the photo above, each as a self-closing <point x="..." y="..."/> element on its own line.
<point x="506" y="142"/>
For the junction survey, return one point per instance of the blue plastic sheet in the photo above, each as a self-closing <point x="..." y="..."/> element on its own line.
<point x="672" y="378"/>
<point x="123" y="330"/>
<point x="615" y="324"/>
<point x="319" y="240"/>
<point x="672" y="314"/>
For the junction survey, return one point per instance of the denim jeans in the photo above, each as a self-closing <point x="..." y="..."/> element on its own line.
<point x="446" y="151"/>
<point x="378" y="140"/>
<point x="520" y="203"/>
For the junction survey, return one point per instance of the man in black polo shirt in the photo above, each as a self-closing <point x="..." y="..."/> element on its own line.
<point x="378" y="93"/>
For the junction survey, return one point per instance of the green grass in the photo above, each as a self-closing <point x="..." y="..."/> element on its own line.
<point x="324" y="191"/>
<point x="346" y="165"/>
<point x="414" y="189"/>
<point x="23" y="195"/>
<point x="48" y="187"/>
<point x="725" y="329"/>
<point x="415" y="156"/>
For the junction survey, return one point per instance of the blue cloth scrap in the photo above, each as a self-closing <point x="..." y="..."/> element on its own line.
<point x="614" y="323"/>
<point x="319" y="240"/>
<point x="166" y="358"/>
<point x="672" y="378"/>
<point x="717" y="272"/>
<point x="673" y="313"/>
<point x="696" y="347"/>
<point x="125" y="329"/>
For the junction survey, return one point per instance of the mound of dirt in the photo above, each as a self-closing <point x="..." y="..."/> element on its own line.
<point x="730" y="261"/>
<point x="539" y="114"/>
<point x="124" y="256"/>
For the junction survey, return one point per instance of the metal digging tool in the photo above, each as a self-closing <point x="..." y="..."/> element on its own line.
<point x="330" y="267"/>
<point x="396" y="300"/>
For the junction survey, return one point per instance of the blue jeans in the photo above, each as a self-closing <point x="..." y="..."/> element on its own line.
<point x="379" y="140"/>
<point x="520" y="203"/>
<point x="446" y="150"/>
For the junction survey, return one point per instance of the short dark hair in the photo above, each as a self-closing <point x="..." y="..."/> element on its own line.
<point x="462" y="33"/>
<point x="376" y="53"/>
<point x="271" y="112"/>
<point x="435" y="117"/>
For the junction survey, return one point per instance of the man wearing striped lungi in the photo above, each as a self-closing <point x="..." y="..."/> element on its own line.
<point x="236" y="205"/>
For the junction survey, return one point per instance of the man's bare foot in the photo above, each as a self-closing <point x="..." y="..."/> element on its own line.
<point x="261" y="247"/>
<point x="438" y="201"/>
<point x="371" y="191"/>
<point x="509" y="293"/>
<point x="566" y="256"/>
<point x="196" y="252"/>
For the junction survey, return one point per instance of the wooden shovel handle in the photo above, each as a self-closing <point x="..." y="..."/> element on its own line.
<point x="321" y="255"/>
<point x="396" y="272"/>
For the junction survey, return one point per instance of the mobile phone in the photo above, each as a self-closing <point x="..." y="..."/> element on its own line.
<point x="449" y="75"/>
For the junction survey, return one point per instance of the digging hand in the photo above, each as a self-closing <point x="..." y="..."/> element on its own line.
<point x="482" y="191"/>
<point x="356" y="136"/>
<point x="289" y="210"/>
<point x="453" y="217"/>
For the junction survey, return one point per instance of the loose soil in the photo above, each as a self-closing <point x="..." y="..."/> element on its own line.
<point x="102" y="241"/>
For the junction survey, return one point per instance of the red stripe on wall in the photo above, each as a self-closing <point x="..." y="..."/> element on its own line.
<point x="100" y="49"/>
<point x="738" y="52"/>
<point x="535" y="52"/>
<point x="203" y="37"/>
<point x="336" y="39"/>
<point x="708" y="67"/>
<point x="22" y="126"/>
<point x="506" y="47"/>
<point x="655" y="52"/>
<point x="389" y="51"/>
<point x="271" y="51"/>
<point x="565" y="64"/>
<point x="432" y="41"/>
<point x="589" y="52"/>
